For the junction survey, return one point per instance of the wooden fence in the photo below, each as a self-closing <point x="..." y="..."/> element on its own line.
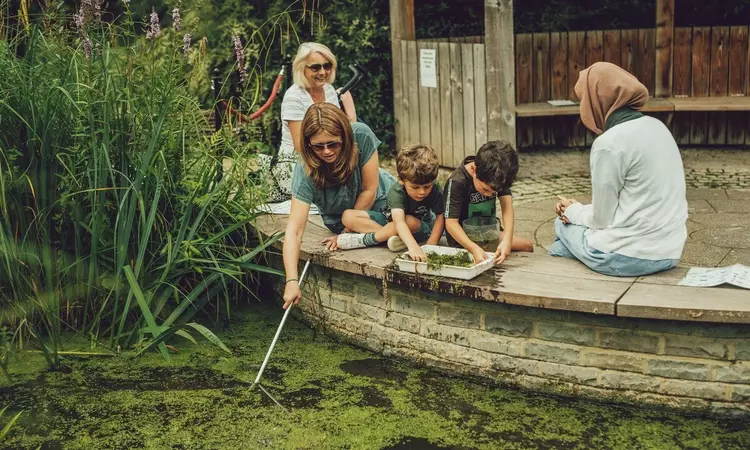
<point x="452" y="118"/>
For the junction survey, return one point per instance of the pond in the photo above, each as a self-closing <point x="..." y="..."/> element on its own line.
<point x="336" y="396"/>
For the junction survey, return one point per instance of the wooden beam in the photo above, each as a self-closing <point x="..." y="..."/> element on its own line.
<point x="402" y="28"/>
<point x="664" y="43"/>
<point x="500" y="69"/>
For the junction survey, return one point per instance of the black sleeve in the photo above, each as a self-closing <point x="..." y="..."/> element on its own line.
<point x="455" y="197"/>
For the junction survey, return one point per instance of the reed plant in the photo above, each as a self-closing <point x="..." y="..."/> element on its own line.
<point x="114" y="221"/>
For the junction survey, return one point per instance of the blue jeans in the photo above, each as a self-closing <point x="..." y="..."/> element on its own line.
<point x="571" y="243"/>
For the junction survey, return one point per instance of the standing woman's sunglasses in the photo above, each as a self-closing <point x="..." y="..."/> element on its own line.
<point x="316" y="67"/>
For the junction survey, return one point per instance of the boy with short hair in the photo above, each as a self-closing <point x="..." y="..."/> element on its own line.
<point x="472" y="190"/>
<point x="415" y="207"/>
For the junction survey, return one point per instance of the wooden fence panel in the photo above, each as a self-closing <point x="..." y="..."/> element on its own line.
<point x="594" y="53"/>
<point x="682" y="61"/>
<point x="457" y="100"/>
<point x="559" y="86"/>
<point x="738" y="83"/>
<point x="412" y="90"/>
<point x="524" y="87"/>
<point x="647" y="58"/>
<point x="480" y="97"/>
<point x="467" y="79"/>
<point x="405" y="106"/>
<point x="612" y="46"/>
<point x="435" y="139"/>
<point x="630" y="51"/>
<point x="542" y="73"/>
<point x="424" y="102"/>
<point x="701" y="65"/>
<point x="576" y="63"/>
<point x="719" y="83"/>
<point x="446" y="106"/>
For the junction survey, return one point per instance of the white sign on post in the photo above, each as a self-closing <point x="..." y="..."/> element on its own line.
<point x="427" y="62"/>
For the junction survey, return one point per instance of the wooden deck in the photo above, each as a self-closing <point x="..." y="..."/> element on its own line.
<point x="539" y="280"/>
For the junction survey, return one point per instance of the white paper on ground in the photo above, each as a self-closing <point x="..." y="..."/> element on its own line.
<point x="284" y="208"/>
<point x="736" y="275"/>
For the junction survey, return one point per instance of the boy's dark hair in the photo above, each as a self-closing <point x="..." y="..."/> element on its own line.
<point x="417" y="164"/>
<point x="497" y="165"/>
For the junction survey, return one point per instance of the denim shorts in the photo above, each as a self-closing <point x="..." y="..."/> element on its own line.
<point x="421" y="235"/>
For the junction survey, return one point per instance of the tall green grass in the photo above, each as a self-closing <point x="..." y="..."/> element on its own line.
<point x="112" y="222"/>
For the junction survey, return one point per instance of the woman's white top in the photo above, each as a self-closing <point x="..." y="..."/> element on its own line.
<point x="638" y="205"/>
<point x="293" y="107"/>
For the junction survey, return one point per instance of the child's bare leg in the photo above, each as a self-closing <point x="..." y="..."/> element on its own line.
<point x="389" y="230"/>
<point x="519" y="244"/>
<point x="359" y="221"/>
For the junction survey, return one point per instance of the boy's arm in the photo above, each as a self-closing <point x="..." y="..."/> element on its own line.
<point x="503" y="250"/>
<point x="437" y="230"/>
<point x="399" y="218"/>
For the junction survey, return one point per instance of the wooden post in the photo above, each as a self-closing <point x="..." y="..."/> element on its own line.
<point x="664" y="43"/>
<point x="402" y="28"/>
<point x="500" y="70"/>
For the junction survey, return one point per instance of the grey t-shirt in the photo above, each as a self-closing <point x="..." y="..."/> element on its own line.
<point x="334" y="200"/>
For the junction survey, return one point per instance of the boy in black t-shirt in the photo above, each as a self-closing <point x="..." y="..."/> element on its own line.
<point x="415" y="207"/>
<point x="472" y="190"/>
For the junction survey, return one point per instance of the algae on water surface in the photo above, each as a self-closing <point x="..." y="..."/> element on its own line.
<point x="338" y="396"/>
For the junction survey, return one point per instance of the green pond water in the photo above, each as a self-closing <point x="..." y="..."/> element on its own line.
<point x="337" y="397"/>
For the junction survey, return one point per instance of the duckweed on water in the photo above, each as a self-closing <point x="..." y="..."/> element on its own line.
<point x="338" y="396"/>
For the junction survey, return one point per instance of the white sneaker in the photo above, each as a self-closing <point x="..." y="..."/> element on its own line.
<point x="349" y="241"/>
<point x="395" y="244"/>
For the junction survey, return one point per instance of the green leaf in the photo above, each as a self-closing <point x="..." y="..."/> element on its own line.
<point x="208" y="334"/>
<point x="136" y="289"/>
<point x="187" y="336"/>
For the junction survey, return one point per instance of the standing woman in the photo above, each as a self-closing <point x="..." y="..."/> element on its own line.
<point x="338" y="171"/>
<point x="313" y="73"/>
<point x="636" y="222"/>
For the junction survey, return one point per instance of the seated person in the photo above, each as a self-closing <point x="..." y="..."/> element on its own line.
<point x="414" y="205"/>
<point x="636" y="222"/>
<point x="472" y="190"/>
<point x="338" y="171"/>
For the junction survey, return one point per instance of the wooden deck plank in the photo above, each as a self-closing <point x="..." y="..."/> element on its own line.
<point x="711" y="103"/>
<point x="545" y="109"/>
<point x="720" y="304"/>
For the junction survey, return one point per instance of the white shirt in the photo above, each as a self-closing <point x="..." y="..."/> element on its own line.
<point x="638" y="206"/>
<point x="293" y="107"/>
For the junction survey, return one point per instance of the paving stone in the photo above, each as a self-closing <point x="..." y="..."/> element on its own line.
<point x="705" y="194"/>
<point x="720" y="219"/>
<point x="731" y="237"/>
<point x="736" y="257"/>
<point x="701" y="254"/>
<point x="739" y="194"/>
<point x="699" y="207"/>
<point x="730" y="206"/>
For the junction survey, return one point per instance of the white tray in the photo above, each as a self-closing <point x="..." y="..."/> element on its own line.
<point x="405" y="264"/>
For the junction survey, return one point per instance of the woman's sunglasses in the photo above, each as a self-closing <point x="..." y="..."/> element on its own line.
<point x="316" y="67"/>
<point x="333" y="145"/>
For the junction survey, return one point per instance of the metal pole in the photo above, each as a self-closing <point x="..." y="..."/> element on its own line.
<point x="278" y="331"/>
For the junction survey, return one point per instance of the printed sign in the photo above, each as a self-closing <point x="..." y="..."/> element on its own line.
<point x="427" y="63"/>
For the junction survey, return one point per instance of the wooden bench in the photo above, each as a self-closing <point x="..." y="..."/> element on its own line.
<point x="654" y="105"/>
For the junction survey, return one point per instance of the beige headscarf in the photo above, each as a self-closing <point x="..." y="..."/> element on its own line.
<point x="604" y="88"/>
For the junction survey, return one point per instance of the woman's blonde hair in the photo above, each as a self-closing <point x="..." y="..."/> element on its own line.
<point x="325" y="117"/>
<point x="300" y="62"/>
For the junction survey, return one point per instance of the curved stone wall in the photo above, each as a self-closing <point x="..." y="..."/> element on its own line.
<point x="688" y="365"/>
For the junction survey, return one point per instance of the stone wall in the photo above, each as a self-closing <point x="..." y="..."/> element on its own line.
<point x="696" y="366"/>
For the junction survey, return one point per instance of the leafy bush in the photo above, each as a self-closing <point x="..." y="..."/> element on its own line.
<point x="112" y="219"/>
